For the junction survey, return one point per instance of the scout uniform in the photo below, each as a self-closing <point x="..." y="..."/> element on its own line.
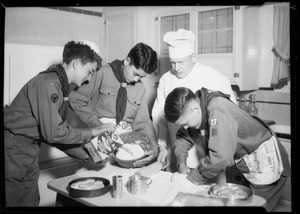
<point x="227" y="136"/>
<point x="96" y="102"/>
<point x="35" y="115"/>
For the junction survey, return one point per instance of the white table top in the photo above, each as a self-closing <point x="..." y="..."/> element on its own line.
<point x="161" y="192"/>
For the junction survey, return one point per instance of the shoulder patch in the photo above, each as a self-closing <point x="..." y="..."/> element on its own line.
<point x="54" y="98"/>
<point x="213" y="122"/>
<point x="214" y="132"/>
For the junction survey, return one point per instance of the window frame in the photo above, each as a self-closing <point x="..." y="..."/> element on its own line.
<point x="193" y="25"/>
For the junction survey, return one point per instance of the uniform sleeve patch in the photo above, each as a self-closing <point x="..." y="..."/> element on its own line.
<point x="214" y="132"/>
<point x="213" y="122"/>
<point x="54" y="98"/>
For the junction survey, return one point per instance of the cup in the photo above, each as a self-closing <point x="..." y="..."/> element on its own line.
<point x="117" y="191"/>
<point x="139" y="184"/>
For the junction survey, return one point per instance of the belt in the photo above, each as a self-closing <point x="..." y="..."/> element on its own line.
<point x="19" y="137"/>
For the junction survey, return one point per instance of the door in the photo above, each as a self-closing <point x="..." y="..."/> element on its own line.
<point x="118" y="36"/>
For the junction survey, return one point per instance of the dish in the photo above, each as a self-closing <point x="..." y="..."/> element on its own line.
<point x="88" y="187"/>
<point x="127" y="154"/>
<point x="188" y="199"/>
<point x="236" y="193"/>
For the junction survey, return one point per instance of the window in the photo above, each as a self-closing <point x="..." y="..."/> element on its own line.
<point x="172" y="23"/>
<point x="215" y="31"/>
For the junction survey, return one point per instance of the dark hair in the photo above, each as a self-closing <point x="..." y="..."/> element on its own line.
<point x="144" y="57"/>
<point x="176" y="102"/>
<point x="73" y="50"/>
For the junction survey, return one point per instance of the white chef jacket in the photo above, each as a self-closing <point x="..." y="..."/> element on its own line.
<point x="200" y="76"/>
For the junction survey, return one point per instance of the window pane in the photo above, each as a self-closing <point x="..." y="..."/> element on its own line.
<point x="215" y="31"/>
<point x="207" y="40"/>
<point x="222" y="39"/>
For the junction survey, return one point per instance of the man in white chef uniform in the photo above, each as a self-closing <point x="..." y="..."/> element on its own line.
<point x="186" y="72"/>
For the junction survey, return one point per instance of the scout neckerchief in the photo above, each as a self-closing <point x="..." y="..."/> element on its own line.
<point x="205" y="96"/>
<point x="121" y="101"/>
<point x="65" y="87"/>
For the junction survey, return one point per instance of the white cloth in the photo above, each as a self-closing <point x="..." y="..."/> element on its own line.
<point x="264" y="164"/>
<point x="181" y="43"/>
<point x="92" y="45"/>
<point x="200" y="76"/>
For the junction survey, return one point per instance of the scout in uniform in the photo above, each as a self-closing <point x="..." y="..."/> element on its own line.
<point x="227" y="135"/>
<point x="116" y="94"/>
<point x="38" y="113"/>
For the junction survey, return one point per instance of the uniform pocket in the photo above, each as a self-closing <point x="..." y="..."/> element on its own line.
<point x="107" y="98"/>
<point x="133" y="105"/>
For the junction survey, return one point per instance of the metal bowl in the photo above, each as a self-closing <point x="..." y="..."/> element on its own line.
<point x="126" y="163"/>
<point x="236" y="199"/>
<point x="78" y="193"/>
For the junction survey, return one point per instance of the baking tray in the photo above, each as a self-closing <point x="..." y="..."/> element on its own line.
<point x="188" y="199"/>
<point x="78" y="193"/>
<point x="233" y="200"/>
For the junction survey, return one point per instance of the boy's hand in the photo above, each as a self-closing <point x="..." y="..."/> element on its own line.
<point x="162" y="155"/>
<point x="110" y="127"/>
<point x="146" y="160"/>
<point x="183" y="169"/>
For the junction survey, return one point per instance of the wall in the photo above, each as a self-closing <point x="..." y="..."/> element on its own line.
<point x="43" y="26"/>
<point x="34" y="39"/>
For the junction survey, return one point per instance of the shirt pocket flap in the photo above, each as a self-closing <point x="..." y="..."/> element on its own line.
<point x="135" y="101"/>
<point x="108" y="90"/>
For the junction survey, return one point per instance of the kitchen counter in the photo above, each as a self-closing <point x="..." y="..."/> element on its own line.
<point x="284" y="129"/>
<point x="161" y="192"/>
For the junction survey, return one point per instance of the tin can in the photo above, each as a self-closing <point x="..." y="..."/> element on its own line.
<point x="117" y="186"/>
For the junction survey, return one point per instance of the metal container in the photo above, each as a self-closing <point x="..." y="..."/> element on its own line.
<point x="78" y="193"/>
<point x="189" y="199"/>
<point x="139" y="184"/>
<point x="126" y="163"/>
<point x="233" y="200"/>
<point x="117" y="189"/>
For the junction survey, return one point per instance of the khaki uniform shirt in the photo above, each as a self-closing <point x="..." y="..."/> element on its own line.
<point x="34" y="113"/>
<point x="97" y="99"/>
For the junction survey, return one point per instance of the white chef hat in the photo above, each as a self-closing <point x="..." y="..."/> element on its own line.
<point x="180" y="42"/>
<point x="92" y="45"/>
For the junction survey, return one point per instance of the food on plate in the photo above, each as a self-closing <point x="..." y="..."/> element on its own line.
<point x="130" y="152"/>
<point x="229" y="191"/>
<point x="89" y="184"/>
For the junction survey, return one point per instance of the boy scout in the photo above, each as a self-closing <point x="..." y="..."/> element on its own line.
<point x="116" y="94"/>
<point x="227" y="135"/>
<point x="37" y="114"/>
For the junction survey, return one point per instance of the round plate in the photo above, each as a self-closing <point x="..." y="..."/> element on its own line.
<point x="78" y="193"/>
<point x="233" y="200"/>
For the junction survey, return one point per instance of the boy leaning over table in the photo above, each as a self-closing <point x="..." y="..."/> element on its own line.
<point x="116" y="94"/>
<point x="38" y="114"/>
<point x="226" y="136"/>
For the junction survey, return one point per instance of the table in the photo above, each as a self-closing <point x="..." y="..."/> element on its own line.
<point x="161" y="192"/>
